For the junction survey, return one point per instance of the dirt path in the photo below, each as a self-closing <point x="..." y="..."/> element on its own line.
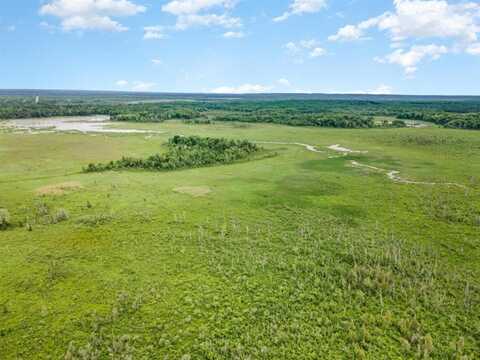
<point x="394" y="175"/>
<point x="306" y="146"/>
<point x="345" y="150"/>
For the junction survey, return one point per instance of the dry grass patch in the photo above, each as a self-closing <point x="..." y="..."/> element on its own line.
<point x="58" y="189"/>
<point x="195" y="191"/>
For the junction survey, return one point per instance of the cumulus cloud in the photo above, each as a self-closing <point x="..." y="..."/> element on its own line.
<point x="157" y="62"/>
<point x="223" y="20"/>
<point x="234" y="35"/>
<point x="409" y="59"/>
<point x="298" y="50"/>
<point x="142" y="86"/>
<point x="154" y="32"/>
<point x="317" y="52"/>
<point x="413" y="22"/>
<point x="474" y="49"/>
<point x="191" y="13"/>
<point x="354" y="32"/>
<point x="242" y="89"/>
<point x="413" y="19"/>
<point x="300" y="7"/>
<point x="185" y="7"/>
<point x="91" y="14"/>
<point x="135" y="85"/>
<point x="381" y="90"/>
<point x="284" y="82"/>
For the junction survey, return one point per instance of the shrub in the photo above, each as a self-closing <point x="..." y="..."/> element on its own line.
<point x="399" y="124"/>
<point x="59" y="216"/>
<point x="4" y="219"/>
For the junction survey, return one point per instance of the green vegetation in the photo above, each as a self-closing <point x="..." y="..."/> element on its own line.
<point x="4" y="219"/>
<point x="293" y="256"/>
<point x="450" y="120"/>
<point x="186" y="152"/>
<point x="464" y="114"/>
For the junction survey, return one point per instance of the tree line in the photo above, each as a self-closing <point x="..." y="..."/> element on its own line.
<point x="449" y="120"/>
<point x="319" y="113"/>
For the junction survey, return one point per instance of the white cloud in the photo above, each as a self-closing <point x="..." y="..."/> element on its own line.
<point x="157" y="62"/>
<point x="187" y="7"/>
<point x="299" y="7"/>
<point x="154" y="32"/>
<point x="143" y="86"/>
<point x="135" y="85"/>
<point x="414" y="19"/>
<point x="354" y="32"/>
<point x="91" y="14"/>
<point x="192" y="13"/>
<point x="187" y="21"/>
<point x="300" y="49"/>
<point x="474" y="49"/>
<point x="317" y="52"/>
<point x="234" y="35"/>
<point x="412" y="22"/>
<point x="415" y="55"/>
<point x="242" y="89"/>
<point x="284" y="82"/>
<point x="381" y="90"/>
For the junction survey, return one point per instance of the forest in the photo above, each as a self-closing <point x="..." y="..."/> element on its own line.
<point x="318" y="113"/>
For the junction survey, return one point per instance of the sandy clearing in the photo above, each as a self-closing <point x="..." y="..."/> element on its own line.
<point x="195" y="191"/>
<point x="58" y="189"/>
<point x="83" y="124"/>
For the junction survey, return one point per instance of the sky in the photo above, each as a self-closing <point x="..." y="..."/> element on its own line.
<point x="423" y="47"/>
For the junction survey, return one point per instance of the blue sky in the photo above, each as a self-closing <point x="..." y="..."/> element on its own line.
<point x="331" y="46"/>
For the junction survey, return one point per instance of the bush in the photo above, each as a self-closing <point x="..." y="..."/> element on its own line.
<point x="4" y="219"/>
<point x="398" y="124"/>
<point x="59" y="216"/>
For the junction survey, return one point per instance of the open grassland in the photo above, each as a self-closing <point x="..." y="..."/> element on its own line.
<point x="293" y="256"/>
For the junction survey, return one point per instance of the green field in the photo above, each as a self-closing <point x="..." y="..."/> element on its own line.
<point x="299" y="255"/>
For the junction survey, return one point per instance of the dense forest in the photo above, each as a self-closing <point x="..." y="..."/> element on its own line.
<point x="320" y="113"/>
<point x="186" y="152"/>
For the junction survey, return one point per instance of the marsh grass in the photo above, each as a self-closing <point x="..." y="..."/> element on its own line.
<point x="291" y="257"/>
<point x="300" y="283"/>
<point x="102" y="341"/>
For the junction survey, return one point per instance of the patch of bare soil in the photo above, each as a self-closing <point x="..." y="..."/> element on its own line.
<point x="58" y="189"/>
<point x="195" y="191"/>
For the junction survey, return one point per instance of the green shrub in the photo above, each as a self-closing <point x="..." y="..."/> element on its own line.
<point x="59" y="216"/>
<point x="95" y="220"/>
<point x="4" y="219"/>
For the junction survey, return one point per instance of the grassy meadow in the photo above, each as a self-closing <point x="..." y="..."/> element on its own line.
<point x="298" y="255"/>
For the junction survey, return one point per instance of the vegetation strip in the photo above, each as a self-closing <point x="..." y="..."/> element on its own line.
<point x="186" y="152"/>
